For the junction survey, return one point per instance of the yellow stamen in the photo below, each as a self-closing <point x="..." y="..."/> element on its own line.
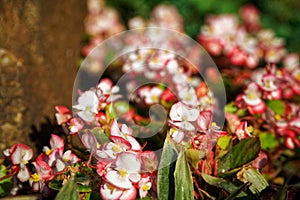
<point x="146" y="187"/>
<point x="48" y="152"/>
<point x="250" y="129"/>
<point x="35" y="177"/>
<point x="277" y="117"/>
<point x="252" y="95"/>
<point x="123" y="173"/>
<point x="116" y="148"/>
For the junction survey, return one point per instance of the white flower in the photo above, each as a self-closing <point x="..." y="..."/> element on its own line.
<point x="182" y="116"/>
<point x="88" y="106"/>
<point x="188" y="96"/>
<point x="126" y="171"/>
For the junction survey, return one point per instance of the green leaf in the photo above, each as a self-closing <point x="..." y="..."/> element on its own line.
<point x="277" y="106"/>
<point x="243" y="152"/>
<point x="268" y="141"/>
<point x="121" y="107"/>
<point x="184" y="188"/>
<point x="230" y="108"/>
<point x="100" y="135"/>
<point x="5" y="184"/>
<point x="165" y="178"/>
<point x="258" y="182"/>
<point x="55" y="184"/>
<point x="69" y="191"/>
<point x="222" y="183"/>
<point x="93" y="196"/>
<point x="194" y="156"/>
<point x="235" y="194"/>
<point x="84" y="188"/>
<point x="224" y="141"/>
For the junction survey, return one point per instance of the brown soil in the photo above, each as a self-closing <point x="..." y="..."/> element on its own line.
<point x="43" y="38"/>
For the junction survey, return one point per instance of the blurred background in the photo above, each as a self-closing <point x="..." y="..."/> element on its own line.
<point x="40" y="50"/>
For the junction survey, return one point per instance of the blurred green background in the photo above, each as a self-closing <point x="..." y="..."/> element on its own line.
<point x="280" y="15"/>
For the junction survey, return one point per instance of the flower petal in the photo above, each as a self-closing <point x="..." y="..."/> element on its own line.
<point x="23" y="174"/>
<point x="114" y="177"/>
<point x="128" y="161"/>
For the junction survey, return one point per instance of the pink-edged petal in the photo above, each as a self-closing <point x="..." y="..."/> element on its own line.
<point x="129" y="194"/>
<point x="76" y="124"/>
<point x="23" y="174"/>
<point x="20" y="153"/>
<point x="128" y="161"/>
<point x="89" y="141"/>
<point x="189" y="113"/>
<point x="242" y="131"/>
<point x="43" y="169"/>
<point x="149" y="161"/>
<point x="135" y="145"/>
<point x="184" y="126"/>
<point x="114" y="128"/>
<point x="260" y="161"/>
<point x="204" y="120"/>
<point x="56" y="142"/>
<point x="109" y="192"/>
<point x="122" y="141"/>
<point x="177" y="135"/>
<point x="134" y="177"/>
<point x="60" y="165"/>
<point x="62" y="110"/>
<point x="87" y="116"/>
<point x="116" y="179"/>
<point x="174" y="116"/>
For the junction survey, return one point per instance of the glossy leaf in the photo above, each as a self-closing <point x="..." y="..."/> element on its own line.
<point x="222" y="183"/>
<point x="243" y="152"/>
<point x="165" y="178"/>
<point x="69" y="191"/>
<point x="184" y="188"/>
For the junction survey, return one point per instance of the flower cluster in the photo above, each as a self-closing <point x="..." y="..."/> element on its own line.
<point x="270" y="97"/>
<point x="243" y="44"/>
<point x="47" y="165"/>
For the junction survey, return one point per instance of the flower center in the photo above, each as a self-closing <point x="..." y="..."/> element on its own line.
<point x="123" y="172"/>
<point x="35" y="177"/>
<point x="116" y="148"/>
<point x="146" y="187"/>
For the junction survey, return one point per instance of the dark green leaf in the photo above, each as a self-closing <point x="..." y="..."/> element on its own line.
<point x="243" y="152"/>
<point x="236" y="193"/>
<point x="268" y="141"/>
<point x="69" y="191"/>
<point x="165" y="179"/>
<point x="55" y="184"/>
<point x="222" y="183"/>
<point x="184" y="188"/>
